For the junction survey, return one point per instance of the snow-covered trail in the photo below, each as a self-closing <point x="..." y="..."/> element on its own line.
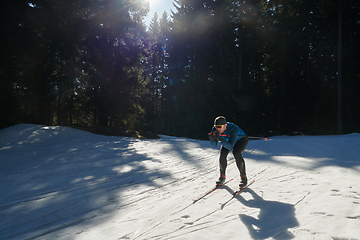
<point x="55" y="177"/>
<point x="58" y="182"/>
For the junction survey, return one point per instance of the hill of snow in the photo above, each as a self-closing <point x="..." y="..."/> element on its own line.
<point x="58" y="182"/>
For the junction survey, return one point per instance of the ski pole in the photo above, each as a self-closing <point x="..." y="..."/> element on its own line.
<point x="251" y="137"/>
<point x="265" y="138"/>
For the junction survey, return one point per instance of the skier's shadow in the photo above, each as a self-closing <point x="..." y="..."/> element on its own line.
<point x="274" y="219"/>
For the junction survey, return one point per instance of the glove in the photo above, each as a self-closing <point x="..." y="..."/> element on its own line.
<point x="217" y="136"/>
<point x="211" y="136"/>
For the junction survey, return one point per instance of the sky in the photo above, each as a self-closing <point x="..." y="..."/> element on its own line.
<point x="62" y="183"/>
<point x="159" y="6"/>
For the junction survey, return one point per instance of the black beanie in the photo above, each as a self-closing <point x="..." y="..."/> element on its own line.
<point x="220" y="120"/>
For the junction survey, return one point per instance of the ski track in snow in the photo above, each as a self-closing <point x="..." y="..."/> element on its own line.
<point x="63" y="183"/>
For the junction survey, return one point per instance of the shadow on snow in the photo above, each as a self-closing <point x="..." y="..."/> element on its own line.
<point x="314" y="151"/>
<point x="56" y="177"/>
<point x="273" y="220"/>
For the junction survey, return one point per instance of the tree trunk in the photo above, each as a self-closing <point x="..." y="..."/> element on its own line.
<point x="339" y="81"/>
<point x="240" y="72"/>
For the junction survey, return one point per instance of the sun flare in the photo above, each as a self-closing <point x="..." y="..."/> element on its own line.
<point x="152" y="2"/>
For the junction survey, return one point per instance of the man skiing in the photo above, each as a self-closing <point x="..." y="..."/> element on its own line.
<point x="231" y="137"/>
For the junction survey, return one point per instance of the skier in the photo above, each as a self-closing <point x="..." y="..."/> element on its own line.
<point x="231" y="137"/>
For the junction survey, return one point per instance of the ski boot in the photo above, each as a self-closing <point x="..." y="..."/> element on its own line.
<point x="243" y="182"/>
<point x="221" y="180"/>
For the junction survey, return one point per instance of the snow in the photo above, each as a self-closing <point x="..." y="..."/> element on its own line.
<point x="62" y="183"/>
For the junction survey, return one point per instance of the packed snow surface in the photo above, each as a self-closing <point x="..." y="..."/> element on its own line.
<point x="62" y="183"/>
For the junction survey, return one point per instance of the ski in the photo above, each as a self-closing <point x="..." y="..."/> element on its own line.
<point x="207" y="193"/>
<point x="236" y="193"/>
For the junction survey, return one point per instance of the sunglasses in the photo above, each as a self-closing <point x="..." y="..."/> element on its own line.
<point x="219" y="126"/>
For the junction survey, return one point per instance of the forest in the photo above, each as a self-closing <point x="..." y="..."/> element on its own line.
<point x="273" y="67"/>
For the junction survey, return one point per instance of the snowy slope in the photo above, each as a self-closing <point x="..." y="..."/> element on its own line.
<point x="57" y="182"/>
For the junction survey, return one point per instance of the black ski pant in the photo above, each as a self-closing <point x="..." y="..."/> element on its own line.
<point x="238" y="149"/>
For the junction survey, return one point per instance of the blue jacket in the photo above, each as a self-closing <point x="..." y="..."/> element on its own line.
<point x="231" y="135"/>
